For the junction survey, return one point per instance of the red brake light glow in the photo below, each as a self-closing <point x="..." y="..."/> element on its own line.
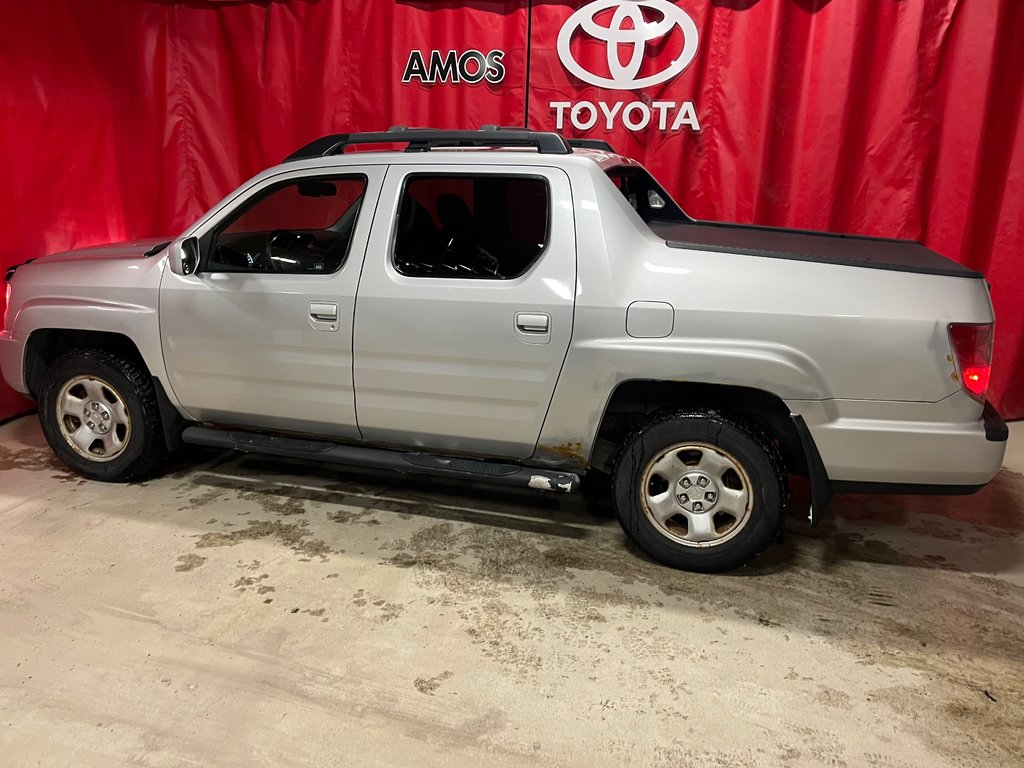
<point x="972" y="346"/>
<point x="7" y="307"/>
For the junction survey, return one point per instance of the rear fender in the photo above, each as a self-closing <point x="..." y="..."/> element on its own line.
<point x="594" y="370"/>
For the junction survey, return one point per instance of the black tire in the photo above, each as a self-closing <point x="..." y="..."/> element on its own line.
<point x="141" y="447"/>
<point x="759" y="468"/>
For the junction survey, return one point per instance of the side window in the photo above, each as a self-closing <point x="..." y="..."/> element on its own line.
<point x="484" y="226"/>
<point x="297" y="227"/>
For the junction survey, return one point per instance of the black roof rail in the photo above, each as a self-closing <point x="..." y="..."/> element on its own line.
<point x="425" y="139"/>
<point x="600" y="144"/>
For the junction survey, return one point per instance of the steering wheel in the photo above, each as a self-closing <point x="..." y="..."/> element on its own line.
<point x="268" y="258"/>
<point x="292" y="241"/>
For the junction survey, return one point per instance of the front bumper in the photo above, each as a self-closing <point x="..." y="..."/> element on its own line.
<point x="12" y="361"/>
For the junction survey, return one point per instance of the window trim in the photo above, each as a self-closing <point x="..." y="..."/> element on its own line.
<point x="209" y="238"/>
<point x="503" y="173"/>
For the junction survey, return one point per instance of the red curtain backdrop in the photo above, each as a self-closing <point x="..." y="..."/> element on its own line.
<point x="889" y="117"/>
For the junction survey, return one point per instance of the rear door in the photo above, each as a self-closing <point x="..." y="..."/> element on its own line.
<point x="464" y="309"/>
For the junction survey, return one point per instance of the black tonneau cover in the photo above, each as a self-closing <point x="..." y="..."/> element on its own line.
<point x="802" y="245"/>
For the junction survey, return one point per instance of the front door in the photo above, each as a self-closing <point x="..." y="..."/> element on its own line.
<point x="465" y="308"/>
<point x="261" y="335"/>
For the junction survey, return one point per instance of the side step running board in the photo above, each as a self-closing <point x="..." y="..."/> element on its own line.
<point x="413" y="463"/>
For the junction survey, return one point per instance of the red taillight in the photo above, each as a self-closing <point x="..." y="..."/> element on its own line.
<point x="972" y="345"/>
<point x="7" y="307"/>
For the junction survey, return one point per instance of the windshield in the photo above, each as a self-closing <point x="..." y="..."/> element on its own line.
<point x="647" y="197"/>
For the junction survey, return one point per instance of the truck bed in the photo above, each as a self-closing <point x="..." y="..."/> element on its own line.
<point x="802" y="245"/>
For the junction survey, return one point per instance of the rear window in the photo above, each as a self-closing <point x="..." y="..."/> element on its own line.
<point x="646" y="196"/>
<point x="471" y="226"/>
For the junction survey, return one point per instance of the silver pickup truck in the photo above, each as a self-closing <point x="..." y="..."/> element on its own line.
<point x="511" y="307"/>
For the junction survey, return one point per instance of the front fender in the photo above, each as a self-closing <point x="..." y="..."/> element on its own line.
<point x="117" y="296"/>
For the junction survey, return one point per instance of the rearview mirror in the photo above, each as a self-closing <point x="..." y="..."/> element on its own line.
<point x="317" y="189"/>
<point x="186" y="260"/>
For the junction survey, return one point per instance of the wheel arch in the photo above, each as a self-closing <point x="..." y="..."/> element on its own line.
<point x="635" y="400"/>
<point x="45" y="345"/>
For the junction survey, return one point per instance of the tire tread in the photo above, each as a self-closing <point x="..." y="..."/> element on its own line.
<point x="631" y="516"/>
<point x="153" y="449"/>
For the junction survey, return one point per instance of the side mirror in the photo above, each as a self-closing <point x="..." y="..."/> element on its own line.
<point x="186" y="260"/>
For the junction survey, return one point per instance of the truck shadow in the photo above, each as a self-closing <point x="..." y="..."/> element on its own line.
<point x="914" y="572"/>
<point x="983" y="533"/>
<point x="434" y="498"/>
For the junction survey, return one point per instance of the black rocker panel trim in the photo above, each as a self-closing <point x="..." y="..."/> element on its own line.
<point x="410" y="462"/>
<point x="903" y="489"/>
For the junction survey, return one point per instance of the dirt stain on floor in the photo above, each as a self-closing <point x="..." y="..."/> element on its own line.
<point x="294" y="535"/>
<point x="961" y="630"/>
<point x="871" y="595"/>
<point x="37" y="460"/>
<point x="429" y="685"/>
<point x="189" y="562"/>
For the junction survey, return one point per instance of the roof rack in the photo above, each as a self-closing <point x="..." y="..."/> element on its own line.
<point x="425" y="139"/>
<point x="600" y="144"/>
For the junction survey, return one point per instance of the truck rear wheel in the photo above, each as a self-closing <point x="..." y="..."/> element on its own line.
<point x="100" y="416"/>
<point x="700" y="491"/>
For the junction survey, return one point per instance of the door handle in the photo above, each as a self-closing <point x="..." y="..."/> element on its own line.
<point x="532" y="322"/>
<point x="323" y="315"/>
<point x="323" y="312"/>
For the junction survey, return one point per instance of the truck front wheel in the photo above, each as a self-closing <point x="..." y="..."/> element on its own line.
<point x="100" y="416"/>
<point x="700" y="491"/>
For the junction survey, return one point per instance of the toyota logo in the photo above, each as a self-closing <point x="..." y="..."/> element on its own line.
<point x="628" y="28"/>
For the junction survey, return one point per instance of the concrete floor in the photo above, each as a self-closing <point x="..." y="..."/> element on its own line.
<point x="243" y="611"/>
